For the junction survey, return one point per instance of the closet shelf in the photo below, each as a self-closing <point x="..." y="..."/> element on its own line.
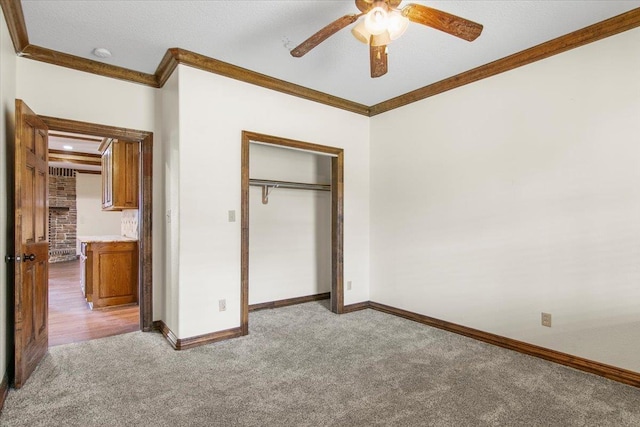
<point x="268" y="186"/>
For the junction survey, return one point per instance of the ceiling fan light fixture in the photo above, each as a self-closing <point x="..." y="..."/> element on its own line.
<point x="376" y="20"/>
<point x="360" y="33"/>
<point x="381" y="39"/>
<point x="398" y="24"/>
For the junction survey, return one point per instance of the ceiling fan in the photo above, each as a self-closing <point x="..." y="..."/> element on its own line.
<point x="384" y="22"/>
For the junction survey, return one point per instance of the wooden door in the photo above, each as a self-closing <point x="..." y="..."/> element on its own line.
<point x="31" y="242"/>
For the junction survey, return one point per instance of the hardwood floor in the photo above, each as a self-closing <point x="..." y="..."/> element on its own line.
<point x="71" y="320"/>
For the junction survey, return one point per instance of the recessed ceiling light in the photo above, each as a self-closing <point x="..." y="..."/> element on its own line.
<point x="102" y="52"/>
<point x="67" y="147"/>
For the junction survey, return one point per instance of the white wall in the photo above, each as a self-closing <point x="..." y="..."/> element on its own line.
<point x="92" y="220"/>
<point x="213" y="112"/>
<point x="515" y="195"/>
<point x="7" y="109"/>
<point x="290" y="237"/>
<point x="61" y="92"/>
<point x="169" y="116"/>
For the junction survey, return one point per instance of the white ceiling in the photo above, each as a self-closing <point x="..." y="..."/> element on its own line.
<point x="258" y="35"/>
<point x="80" y="144"/>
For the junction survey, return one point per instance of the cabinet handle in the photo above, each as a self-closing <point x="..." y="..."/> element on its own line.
<point x="30" y="257"/>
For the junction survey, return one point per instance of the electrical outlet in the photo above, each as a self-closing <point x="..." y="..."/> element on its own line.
<point x="222" y="305"/>
<point x="546" y="319"/>
<point x="232" y="216"/>
<point x="349" y="285"/>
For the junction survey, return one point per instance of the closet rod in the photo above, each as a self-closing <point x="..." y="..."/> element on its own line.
<point x="288" y="184"/>
<point x="268" y="186"/>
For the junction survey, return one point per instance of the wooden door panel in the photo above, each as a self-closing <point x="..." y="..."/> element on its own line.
<point x="31" y="242"/>
<point x="28" y="205"/>
<point x="41" y="217"/>
<point x="41" y="294"/>
<point x="28" y="280"/>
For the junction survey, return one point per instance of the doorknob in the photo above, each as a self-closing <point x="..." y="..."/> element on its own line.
<point x="31" y="257"/>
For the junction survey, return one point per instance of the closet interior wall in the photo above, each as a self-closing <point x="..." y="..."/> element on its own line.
<point x="290" y="236"/>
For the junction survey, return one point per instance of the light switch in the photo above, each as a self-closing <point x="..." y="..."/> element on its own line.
<point x="232" y="216"/>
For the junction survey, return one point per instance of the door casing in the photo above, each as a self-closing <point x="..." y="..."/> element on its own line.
<point x="145" y="196"/>
<point x="337" y="220"/>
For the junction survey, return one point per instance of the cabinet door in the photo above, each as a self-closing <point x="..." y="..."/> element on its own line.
<point x="128" y="178"/>
<point x="107" y="177"/>
<point x="115" y="273"/>
<point x="120" y="164"/>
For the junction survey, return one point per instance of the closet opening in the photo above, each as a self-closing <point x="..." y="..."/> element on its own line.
<point x="294" y="190"/>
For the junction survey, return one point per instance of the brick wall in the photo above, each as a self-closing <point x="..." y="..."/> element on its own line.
<point x="63" y="215"/>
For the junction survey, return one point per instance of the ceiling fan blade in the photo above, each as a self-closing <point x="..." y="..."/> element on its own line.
<point x="443" y="21"/>
<point x="378" y="58"/>
<point x="323" y="34"/>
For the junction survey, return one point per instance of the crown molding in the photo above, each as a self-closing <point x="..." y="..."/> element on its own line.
<point x="14" y="17"/>
<point x="205" y="63"/>
<point x="592" y="33"/>
<point x="17" y="29"/>
<point x="61" y="59"/>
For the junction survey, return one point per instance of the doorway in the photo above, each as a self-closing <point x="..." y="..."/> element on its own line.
<point x="76" y="215"/>
<point x="142" y="312"/>
<point x="337" y="196"/>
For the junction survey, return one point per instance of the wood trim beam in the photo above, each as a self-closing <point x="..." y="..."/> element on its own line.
<point x="14" y="16"/>
<point x="289" y="301"/>
<point x="576" y="362"/>
<point x="78" y="158"/>
<point x="73" y="161"/>
<point x="191" y="342"/>
<point x="592" y="33"/>
<point x="66" y="60"/>
<point x="66" y="125"/>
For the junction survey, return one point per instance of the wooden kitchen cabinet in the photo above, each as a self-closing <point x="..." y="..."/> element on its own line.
<point x="109" y="273"/>
<point x="120" y="175"/>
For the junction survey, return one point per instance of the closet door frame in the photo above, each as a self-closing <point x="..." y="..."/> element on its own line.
<point x="337" y="217"/>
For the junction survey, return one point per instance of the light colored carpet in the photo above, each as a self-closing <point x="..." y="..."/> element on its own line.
<point x="304" y="366"/>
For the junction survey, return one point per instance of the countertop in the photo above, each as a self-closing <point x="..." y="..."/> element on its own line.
<point x="112" y="238"/>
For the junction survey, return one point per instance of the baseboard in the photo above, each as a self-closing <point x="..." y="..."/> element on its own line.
<point x="356" y="307"/>
<point x="187" y="343"/>
<point x="289" y="301"/>
<point x="582" y="364"/>
<point x="159" y="325"/>
<point x="4" y="390"/>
